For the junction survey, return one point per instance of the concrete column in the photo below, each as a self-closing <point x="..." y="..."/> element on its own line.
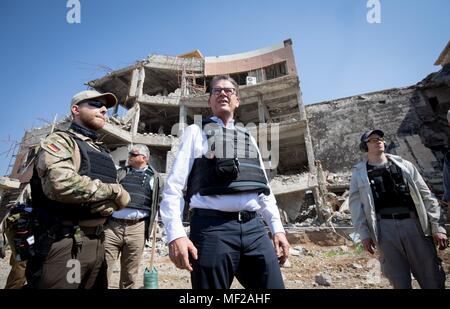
<point x="183" y="118"/>
<point x="140" y="85"/>
<point x="133" y="83"/>
<point x="310" y="156"/>
<point x="183" y="111"/>
<point x="261" y="112"/>
<point x="308" y="142"/>
<point x="309" y="151"/>
<point x="137" y="82"/>
<point x="135" y="120"/>
<point x="301" y="106"/>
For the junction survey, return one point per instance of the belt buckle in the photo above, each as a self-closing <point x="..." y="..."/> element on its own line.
<point x="240" y="216"/>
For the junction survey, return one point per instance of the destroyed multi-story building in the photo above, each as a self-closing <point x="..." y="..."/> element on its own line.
<point x="317" y="143"/>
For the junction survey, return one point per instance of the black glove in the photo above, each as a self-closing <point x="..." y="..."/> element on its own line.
<point x="227" y="169"/>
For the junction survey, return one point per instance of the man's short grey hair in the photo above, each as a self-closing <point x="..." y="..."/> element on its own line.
<point x="141" y="148"/>
<point x="448" y="115"/>
<point x="223" y="77"/>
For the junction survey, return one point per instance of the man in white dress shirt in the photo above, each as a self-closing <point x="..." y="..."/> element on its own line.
<point x="219" y="172"/>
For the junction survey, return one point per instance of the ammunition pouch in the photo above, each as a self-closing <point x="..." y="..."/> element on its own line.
<point x="227" y="169"/>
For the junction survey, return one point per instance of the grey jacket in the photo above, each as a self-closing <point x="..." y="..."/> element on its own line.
<point x="362" y="205"/>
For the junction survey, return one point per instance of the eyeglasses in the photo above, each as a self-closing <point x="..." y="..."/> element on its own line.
<point x="228" y="91"/>
<point x="96" y="104"/>
<point x="375" y="140"/>
<point x="132" y="154"/>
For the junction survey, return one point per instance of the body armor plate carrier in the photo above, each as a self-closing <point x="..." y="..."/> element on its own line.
<point x="231" y="164"/>
<point x="137" y="183"/>
<point x="94" y="164"/>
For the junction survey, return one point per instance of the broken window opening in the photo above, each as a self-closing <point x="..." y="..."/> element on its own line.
<point x="434" y="104"/>
<point x="276" y="70"/>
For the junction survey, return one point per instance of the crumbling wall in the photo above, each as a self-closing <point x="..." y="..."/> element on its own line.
<point x="414" y="120"/>
<point x="292" y="203"/>
<point x="336" y="126"/>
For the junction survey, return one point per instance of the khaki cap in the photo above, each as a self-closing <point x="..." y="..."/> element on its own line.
<point x="110" y="98"/>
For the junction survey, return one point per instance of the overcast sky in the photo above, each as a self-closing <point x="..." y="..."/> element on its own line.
<point x="45" y="60"/>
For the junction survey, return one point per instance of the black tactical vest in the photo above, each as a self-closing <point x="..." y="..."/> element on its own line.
<point x="94" y="164"/>
<point x="137" y="183"/>
<point x="231" y="164"/>
<point x="389" y="188"/>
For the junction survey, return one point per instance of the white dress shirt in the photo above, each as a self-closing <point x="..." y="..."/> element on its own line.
<point x="194" y="144"/>
<point x="131" y="213"/>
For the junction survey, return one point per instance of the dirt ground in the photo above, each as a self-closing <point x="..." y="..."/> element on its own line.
<point x="311" y="266"/>
<point x="344" y="267"/>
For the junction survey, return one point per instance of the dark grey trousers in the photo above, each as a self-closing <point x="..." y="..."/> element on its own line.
<point x="404" y="249"/>
<point x="227" y="249"/>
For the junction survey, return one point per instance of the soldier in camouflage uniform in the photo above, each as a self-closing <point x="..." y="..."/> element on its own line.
<point x="74" y="190"/>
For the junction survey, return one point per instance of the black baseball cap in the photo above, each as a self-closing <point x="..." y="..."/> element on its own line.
<point x="366" y="135"/>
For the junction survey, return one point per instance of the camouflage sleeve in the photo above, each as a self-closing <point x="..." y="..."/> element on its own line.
<point x="59" y="173"/>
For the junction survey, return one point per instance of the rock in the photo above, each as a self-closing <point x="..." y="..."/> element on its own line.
<point x="301" y="249"/>
<point x="356" y="266"/>
<point x="294" y="252"/>
<point x="344" y="248"/>
<point x="323" y="279"/>
<point x="287" y="264"/>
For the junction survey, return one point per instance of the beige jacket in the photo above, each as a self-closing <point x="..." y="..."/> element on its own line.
<point x="362" y="205"/>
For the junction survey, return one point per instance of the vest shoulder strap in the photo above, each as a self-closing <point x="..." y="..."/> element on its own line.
<point x="121" y="173"/>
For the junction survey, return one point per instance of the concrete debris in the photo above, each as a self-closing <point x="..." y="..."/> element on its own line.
<point x="334" y="201"/>
<point x="301" y="249"/>
<point x="344" y="248"/>
<point x="323" y="279"/>
<point x="338" y="179"/>
<point x="287" y="264"/>
<point x="298" y="251"/>
<point x="356" y="266"/>
<point x="341" y="219"/>
<point x="307" y="215"/>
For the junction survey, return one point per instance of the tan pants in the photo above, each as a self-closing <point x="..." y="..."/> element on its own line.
<point x="16" y="278"/>
<point x="126" y="241"/>
<point x="61" y="271"/>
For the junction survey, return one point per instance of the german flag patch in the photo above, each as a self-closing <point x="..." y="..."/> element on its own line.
<point x="53" y="148"/>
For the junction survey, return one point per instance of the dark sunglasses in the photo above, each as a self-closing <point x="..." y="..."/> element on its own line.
<point x="132" y="154"/>
<point x="374" y="140"/>
<point x="96" y="104"/>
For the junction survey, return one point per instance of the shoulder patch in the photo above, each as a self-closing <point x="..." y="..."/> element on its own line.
<point x="53" y="147"/>
<point x="56" y="148"/>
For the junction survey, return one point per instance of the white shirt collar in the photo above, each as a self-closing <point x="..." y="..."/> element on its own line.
<point x="140" y="169"/>
<point x="217" y="120"/>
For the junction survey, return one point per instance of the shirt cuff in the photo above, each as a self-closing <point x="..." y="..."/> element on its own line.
<point x="174" y="231"/>
<point x="277" y="227"/>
